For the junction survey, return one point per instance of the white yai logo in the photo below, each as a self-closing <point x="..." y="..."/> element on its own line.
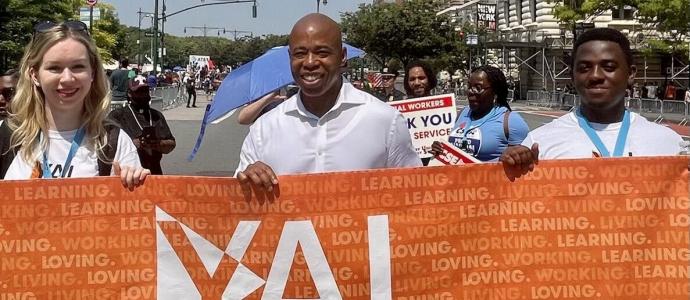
<point x="175" y="281"/>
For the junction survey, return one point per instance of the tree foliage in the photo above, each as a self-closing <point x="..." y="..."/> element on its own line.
<point x="17" y="18"/>
<point x="222" y="51"/>
<point x="406" y="31"/>
<point x="665" y="15"/>
<point x="671" y="18"/>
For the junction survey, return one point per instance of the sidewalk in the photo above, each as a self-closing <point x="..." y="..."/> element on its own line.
<point x="189" y="114"/>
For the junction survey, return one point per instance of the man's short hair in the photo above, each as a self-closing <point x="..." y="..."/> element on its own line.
<point x="124" y="63"/>
<point x="604" y="34"/>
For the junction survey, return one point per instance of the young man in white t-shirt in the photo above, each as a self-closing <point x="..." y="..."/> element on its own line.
<point x="602" y="70"/>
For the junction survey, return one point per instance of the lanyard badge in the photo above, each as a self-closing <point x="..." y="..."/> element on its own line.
<point x="620" y="140"/>
<point x="76" y="142"/>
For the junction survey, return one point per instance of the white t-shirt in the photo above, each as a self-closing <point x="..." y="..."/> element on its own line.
<point x="360" y="132"/>
<point x="651" y="91"/>
<point x="563" y="138"/>
<point x="84" y="163"/>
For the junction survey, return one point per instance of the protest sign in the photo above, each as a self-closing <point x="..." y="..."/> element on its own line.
<point x="198" y="61"/>
<point x="429" y="119"/>
<point x="598" y="229"/>
<point x="452" y="155"/>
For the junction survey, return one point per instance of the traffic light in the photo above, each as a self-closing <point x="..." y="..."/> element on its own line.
<point x="254" y="10"/>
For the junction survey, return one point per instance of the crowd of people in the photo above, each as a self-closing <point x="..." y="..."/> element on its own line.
<point x="58" y="123"/>
<point x="311" y="124"/>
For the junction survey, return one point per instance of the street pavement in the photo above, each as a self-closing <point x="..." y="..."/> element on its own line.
<point x="219" y="153"/>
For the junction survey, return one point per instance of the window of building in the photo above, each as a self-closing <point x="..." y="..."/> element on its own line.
<point x="506" y="12"/>
<point x="533" y="9"/>
<point x="518" y="11"/>
<point x="623" y="13"/>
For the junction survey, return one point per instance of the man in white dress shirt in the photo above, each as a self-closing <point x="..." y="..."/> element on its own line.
<point x="329" y="125"/>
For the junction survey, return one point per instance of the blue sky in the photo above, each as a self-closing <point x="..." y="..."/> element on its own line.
<point x="274" y="16"/>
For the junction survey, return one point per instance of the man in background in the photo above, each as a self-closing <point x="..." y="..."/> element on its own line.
<point x="388" y="92"/>
<point x="119" y="80"/>
<point x="146" y="126"/>
<point x="8" y="83"/>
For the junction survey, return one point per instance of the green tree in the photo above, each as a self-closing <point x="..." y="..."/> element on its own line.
<point x="671" y="18"/>
<point x="406" y="31"/>
<point x="108" y="33"/>
<point x="222" y="51"/>
<point x="17" y="18"/>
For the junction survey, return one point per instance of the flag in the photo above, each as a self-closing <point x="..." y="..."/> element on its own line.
<point x="375" y="79"/>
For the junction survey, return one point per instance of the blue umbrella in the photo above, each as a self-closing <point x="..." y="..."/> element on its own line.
<point x="178" y="68"/>
<point x="253" y="80"/>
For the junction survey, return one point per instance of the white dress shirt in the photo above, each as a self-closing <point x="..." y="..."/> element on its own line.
<point x="359" y="132"/>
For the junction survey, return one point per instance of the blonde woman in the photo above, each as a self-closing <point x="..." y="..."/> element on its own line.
<point x="59" y="110"/>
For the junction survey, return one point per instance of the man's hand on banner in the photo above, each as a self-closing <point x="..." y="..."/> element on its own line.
<point x="519" y="160"/>
<point x="260" y="177"/>
<point x="131" y="177"/>
<point x="436" y="148"/>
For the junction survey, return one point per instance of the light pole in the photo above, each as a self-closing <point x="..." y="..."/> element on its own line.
<point x="472" y="40"/>
<point x="155" y="37"/>
<point x="204" y="29"/>
<point x="164" y="16"/>
<point x="235" y="32"/>
<point x="142" y="14"/>
<point x="318" y="3"/>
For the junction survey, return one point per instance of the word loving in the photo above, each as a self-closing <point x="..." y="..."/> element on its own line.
<point x="182" y="275"/>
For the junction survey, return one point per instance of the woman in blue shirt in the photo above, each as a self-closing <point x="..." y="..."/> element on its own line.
<point x="486" y="126"/>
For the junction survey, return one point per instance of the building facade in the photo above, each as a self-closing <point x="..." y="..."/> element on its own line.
<point x="534" y="49"/>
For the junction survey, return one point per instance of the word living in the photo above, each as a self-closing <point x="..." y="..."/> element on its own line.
<point x="243" y="282"/>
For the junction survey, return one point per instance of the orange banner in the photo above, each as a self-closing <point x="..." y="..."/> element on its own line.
<point x="601" y="228"/>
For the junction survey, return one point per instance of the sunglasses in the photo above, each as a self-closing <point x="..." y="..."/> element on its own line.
<point x="46" y="26"/>
<point x="7" y="93"/>
<point x="477" y="89"/>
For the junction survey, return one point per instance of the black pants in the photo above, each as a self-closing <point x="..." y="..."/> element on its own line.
<point x="190" y="94"/>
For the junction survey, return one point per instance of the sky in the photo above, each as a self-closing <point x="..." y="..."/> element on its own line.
<point x="273" y="16"/>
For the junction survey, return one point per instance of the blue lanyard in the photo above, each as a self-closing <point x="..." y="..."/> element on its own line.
<point x="76" y="142"/>
<point x="620" y="141"/>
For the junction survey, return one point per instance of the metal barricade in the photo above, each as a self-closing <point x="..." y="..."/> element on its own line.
<point x="555" y="99"/>
<point x="651" y="108"/>
<point x="568" y="101"/>
<point x="532" y="97"/>
<point x="634" y="104"/>
<point x="544" y="98"/>
<point x="169" y="96"/>
<point x="674" y="110"/>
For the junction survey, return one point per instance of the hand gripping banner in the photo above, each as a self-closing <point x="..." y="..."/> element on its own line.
<point x="572" y="229"/>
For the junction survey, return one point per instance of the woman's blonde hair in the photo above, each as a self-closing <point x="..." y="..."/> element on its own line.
<point x="28" y="111"/>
